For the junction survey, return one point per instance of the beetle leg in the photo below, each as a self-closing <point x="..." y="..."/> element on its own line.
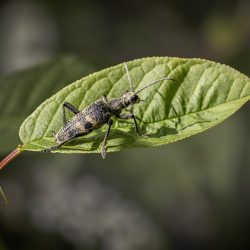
<point x="71" y="108"/>
<point x="104" y="150"/>
<point x="53" y="147"/>
<point x="176" y="115"/>
<point x="131" y="116"/>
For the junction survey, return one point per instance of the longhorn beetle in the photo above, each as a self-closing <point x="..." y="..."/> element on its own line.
<point x="97" y="114"/>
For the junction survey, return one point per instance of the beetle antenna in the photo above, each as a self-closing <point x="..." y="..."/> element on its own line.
<point x="129" y="79"/>
<point x="152" y="83"/>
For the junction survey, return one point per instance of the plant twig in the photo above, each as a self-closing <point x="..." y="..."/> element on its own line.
<point x="5" y="200"/>
<point x="10" y="157"/>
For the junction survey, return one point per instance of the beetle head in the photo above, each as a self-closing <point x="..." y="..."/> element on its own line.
<point x="130" y="98"/>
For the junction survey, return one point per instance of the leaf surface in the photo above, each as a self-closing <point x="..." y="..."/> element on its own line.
<point x="203" y="94"/>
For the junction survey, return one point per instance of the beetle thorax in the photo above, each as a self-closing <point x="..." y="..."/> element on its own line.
<point x="127" y="99"/>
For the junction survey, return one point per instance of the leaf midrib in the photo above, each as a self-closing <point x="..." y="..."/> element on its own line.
<point x="172" y="118"/>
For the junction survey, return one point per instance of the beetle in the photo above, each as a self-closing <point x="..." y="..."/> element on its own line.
<point x="97" y="114"/>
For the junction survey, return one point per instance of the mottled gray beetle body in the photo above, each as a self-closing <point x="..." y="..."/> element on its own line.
<point x="97" y="114"/>
<point x="92" y="117"/>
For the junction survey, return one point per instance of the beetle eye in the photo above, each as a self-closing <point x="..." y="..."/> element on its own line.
<point x="134" y="98"/>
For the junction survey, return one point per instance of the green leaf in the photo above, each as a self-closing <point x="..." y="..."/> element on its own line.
<point x="203" y="94"/>
<point x="23" y="91"/>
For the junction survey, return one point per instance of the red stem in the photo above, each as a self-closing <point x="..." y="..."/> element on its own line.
<point x="10" y="157"/>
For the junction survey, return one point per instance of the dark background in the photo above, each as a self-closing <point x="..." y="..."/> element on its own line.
<point x="193" y="194"/>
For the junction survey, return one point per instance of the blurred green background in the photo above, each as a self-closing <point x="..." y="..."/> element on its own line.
<point x="193" y="194"/>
